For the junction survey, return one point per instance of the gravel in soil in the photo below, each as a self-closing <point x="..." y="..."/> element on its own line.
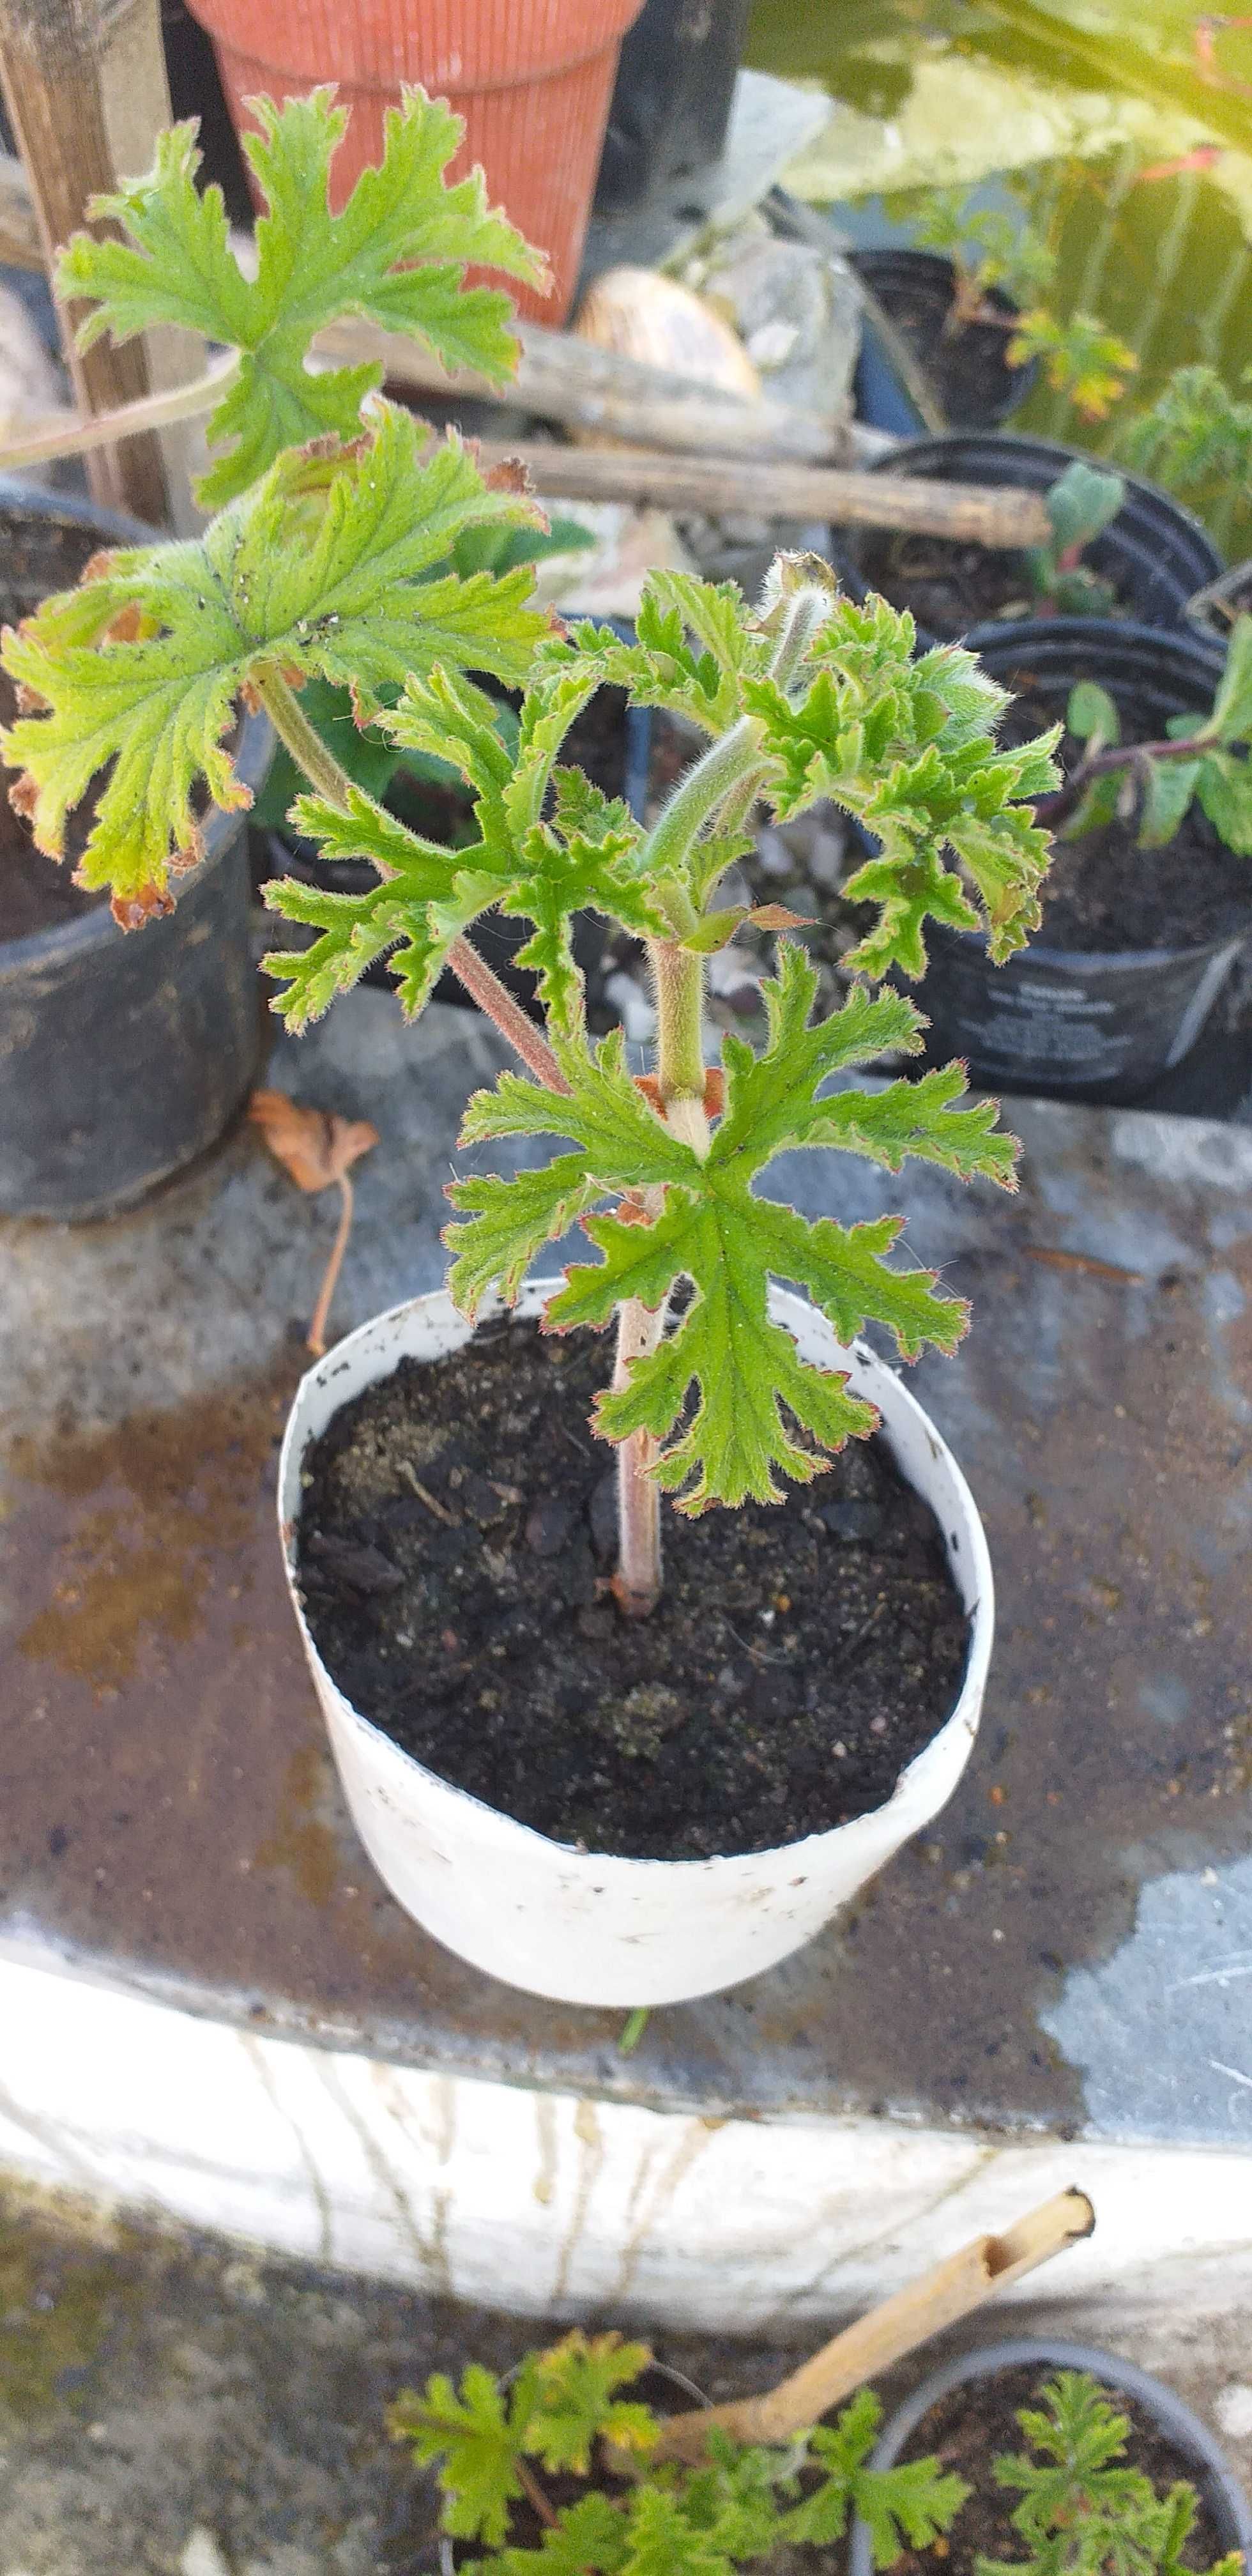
<point x="976" y="2422"/>
<point x="456" y="1542"/>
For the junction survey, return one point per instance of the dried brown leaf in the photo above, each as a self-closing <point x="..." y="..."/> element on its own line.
<point x="315" y="1146"/>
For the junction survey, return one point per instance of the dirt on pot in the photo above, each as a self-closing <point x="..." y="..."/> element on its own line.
<point x="456" y="1542"/>
<point x="969" y="2427"/>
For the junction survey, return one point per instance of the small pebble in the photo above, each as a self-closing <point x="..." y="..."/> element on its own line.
<point x="548" y="1525"/>
<point x="851" y="1520"/>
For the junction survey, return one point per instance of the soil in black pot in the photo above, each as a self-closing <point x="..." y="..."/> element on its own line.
<point x="967" y="368"/>
<point x="456" y="1539"/>
<point x="37" y="555"/>
<point x="1102" y="892"/>
<point x="967" y="2429"/>
<point x="952" y="585"/>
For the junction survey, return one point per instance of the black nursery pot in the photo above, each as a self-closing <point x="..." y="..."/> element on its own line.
<point x="1200" y="2459"/>
<point x="123" y="1055"/>
<point x="973" y="382"/>
<point x="1095" y="1025"/>
<point x="1154" y="552"/>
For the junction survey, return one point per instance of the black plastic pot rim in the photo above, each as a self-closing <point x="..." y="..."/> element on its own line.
<point x="1053" y="449"/>
<point x="1102" y="961"/>
<point x="1120" y="2377"/>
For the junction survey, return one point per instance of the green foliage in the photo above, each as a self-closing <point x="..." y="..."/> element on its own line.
<point x="396" y="256"/>
<point x="987" y="248"/>
<point x="324" y="569"/>
<point x="1197" y="437"/>
<point x="1155" y="782"/>
<point x="1080" y="504"/>
<point x="706" y="1226"/>
<point x="741" y="2505"/>
<point x="1080" y="2515"/>
<point x="1081" y="357"/>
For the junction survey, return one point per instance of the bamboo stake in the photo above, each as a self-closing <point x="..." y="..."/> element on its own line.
<point x="954" y="2289"/>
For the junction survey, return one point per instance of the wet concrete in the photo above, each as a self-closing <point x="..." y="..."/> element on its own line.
<point x="168" y="1813"/>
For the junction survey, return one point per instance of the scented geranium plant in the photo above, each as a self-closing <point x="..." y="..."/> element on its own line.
<point x="574" y="2415"/>
<point x="333" y="560"/>
<point x="1153" y="783"/>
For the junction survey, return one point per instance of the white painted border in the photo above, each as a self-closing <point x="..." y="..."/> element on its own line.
<point x="551" y="2205"/>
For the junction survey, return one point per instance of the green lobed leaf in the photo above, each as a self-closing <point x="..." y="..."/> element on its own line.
<point x="591" y="2534"/>
<point x="322" y="570"/>
<point x="476" y="2435"/>
<point x="724" y="1386"/>
<point x="396" y="255"/>
<point x="578" y="2382"/>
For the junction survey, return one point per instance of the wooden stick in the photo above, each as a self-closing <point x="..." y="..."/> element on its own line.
<point x="954" y="2289"/>
<point x="20" y="245"/>
<point x="86" y="96"/>
<point x="587" y="387"/>
<point x="1006" y="515"/>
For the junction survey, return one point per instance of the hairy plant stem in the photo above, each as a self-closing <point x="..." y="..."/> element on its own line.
<point x="324" y="773"/>
<point x="726" y="777"/>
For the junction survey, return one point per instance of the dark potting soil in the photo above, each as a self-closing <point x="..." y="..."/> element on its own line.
<point x="952" y="585"/>
<point x="37" y="555"/>
<point x="456" y="1540"/>
<point x="969" y="368"/>
<point x="948" y="583"/>
<point x="967" y="2429"/>
<point x="1102" y="892"/>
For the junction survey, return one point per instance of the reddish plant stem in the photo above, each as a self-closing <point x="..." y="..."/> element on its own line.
<point x="1056" y="809"/>
<point x="316" y="1338"/>
<point x="508" y="1015"/>
<point x="637" y="1582"/>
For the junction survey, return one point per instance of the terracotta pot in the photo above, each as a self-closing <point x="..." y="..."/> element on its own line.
<point x="532" y="79"/>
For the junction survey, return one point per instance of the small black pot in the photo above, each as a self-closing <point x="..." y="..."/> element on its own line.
<point x="1155" y="552"/>
<point x="913" y="284"/>
<point x="123" y="1055"/>
<point x="1093" y="1025"/>
<point x="1206" y="2468"/>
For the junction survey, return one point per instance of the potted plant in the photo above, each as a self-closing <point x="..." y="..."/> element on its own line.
<point x="969" y="296"/>
<point x="1058" y="2480"/>
<point x="90" y="1128"/>
<point x="1149" y="898"/>
<point x="581" y="1782"/>
<point x="1008" y="2457"/>
<point x="556" y="2465"/>
<point x="532" y="82"/>
<point x="1122" y="548"/>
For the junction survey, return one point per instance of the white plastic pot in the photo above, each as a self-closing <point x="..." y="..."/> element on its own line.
<point x="593" y="1928"/>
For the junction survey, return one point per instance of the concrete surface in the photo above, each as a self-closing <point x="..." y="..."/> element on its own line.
<point x="170" y="1828"/>
<point x="170" y="2407"/>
